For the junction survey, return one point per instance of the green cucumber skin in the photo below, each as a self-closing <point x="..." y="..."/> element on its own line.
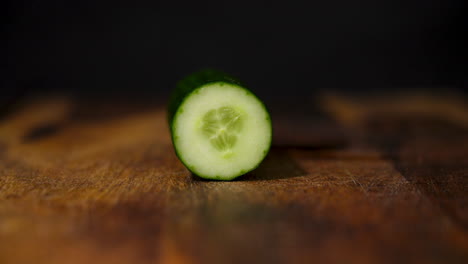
<point x="188" y="86"/>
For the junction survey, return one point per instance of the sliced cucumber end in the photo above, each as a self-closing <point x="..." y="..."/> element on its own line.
<point x="223" y="131"/>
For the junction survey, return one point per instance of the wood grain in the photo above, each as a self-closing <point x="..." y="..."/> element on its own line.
<point x="84" y="182"/>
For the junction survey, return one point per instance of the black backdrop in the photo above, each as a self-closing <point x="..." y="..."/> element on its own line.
<point x="143" y="47"/>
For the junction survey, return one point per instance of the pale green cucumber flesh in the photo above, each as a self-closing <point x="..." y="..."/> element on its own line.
<point x="221" y="131"/>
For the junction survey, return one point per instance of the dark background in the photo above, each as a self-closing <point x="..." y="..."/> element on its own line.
<point x="144" y="47"/>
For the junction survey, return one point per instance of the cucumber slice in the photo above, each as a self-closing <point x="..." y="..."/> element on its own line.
<point x="220" y="130"/>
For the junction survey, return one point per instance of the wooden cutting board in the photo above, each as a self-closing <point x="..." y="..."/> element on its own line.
<point x="98" y="182"/>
